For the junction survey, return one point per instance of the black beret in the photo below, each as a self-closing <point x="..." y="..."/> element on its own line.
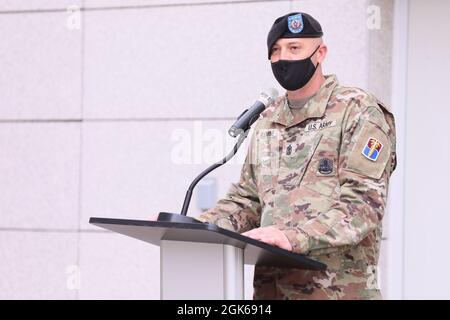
<point x="293" y="25"/>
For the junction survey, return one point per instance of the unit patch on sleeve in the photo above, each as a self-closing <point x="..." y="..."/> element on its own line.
<point x="372" y="149"/>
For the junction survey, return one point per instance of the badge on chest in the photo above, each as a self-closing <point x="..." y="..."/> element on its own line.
<point x="325" y="166"/>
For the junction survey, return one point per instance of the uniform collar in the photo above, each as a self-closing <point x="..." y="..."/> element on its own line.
<point x="314" y="108"/>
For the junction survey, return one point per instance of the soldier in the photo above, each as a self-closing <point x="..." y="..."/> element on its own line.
<point x="315" y="179"/>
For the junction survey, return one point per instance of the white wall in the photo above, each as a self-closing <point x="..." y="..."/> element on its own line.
<point x="427" y="218"/>
<point x="86" y="118"/>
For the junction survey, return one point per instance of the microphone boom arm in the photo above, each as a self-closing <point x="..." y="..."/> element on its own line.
<point x="190" y="190"/>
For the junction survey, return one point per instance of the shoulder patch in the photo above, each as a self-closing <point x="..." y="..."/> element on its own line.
<point x="372" y="149"/>
<point x="370" y="153"/>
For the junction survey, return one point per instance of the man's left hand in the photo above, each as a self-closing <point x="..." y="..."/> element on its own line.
<point x="270" y="235"/>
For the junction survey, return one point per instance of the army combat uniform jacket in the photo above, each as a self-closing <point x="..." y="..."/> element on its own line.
<point x="321" y="177"/>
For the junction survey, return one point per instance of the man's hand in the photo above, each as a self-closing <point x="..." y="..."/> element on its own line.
<point x="270" y="235"/>
<point x="154" y="217"/>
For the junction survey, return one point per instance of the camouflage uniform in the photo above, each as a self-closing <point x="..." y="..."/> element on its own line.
<point x="321" y="177"/>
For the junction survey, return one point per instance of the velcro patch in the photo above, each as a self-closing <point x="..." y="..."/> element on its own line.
<point x="320" y="125"/>
<point x="370" y="152"/>
<point x="325" y="166"/>
<point x="372" y="149"/>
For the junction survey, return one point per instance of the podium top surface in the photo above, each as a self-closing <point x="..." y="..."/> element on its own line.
<point x="255" y="252"/>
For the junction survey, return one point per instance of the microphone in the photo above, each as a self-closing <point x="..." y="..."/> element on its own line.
<point x="250" y="115"/>
<point x="239" y="128"/>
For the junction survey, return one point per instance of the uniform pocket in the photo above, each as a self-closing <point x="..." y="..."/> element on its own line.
<point x="370" y="153"/>
<point x="321" y="175"/>
<point x="295" y="159"/>
<point x="267" y="159"/>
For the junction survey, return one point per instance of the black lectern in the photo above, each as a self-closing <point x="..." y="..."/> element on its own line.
<point x="204" y="261"/>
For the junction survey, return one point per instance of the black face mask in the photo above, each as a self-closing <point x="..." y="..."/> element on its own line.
<point x="294" y="74"/>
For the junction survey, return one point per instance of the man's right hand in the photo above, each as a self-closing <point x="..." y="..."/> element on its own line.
<point x="154" y="217"/>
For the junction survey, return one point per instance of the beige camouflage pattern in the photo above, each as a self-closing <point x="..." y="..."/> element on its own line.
<point x="306" y="174"/>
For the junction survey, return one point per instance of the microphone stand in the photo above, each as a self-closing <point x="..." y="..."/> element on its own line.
<point x="182" y="217"/>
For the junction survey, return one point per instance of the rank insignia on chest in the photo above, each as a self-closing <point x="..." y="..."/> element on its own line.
<point x="325" y="166"/>
<point x="289" y="150"/>
<point x="372" y="149"/>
